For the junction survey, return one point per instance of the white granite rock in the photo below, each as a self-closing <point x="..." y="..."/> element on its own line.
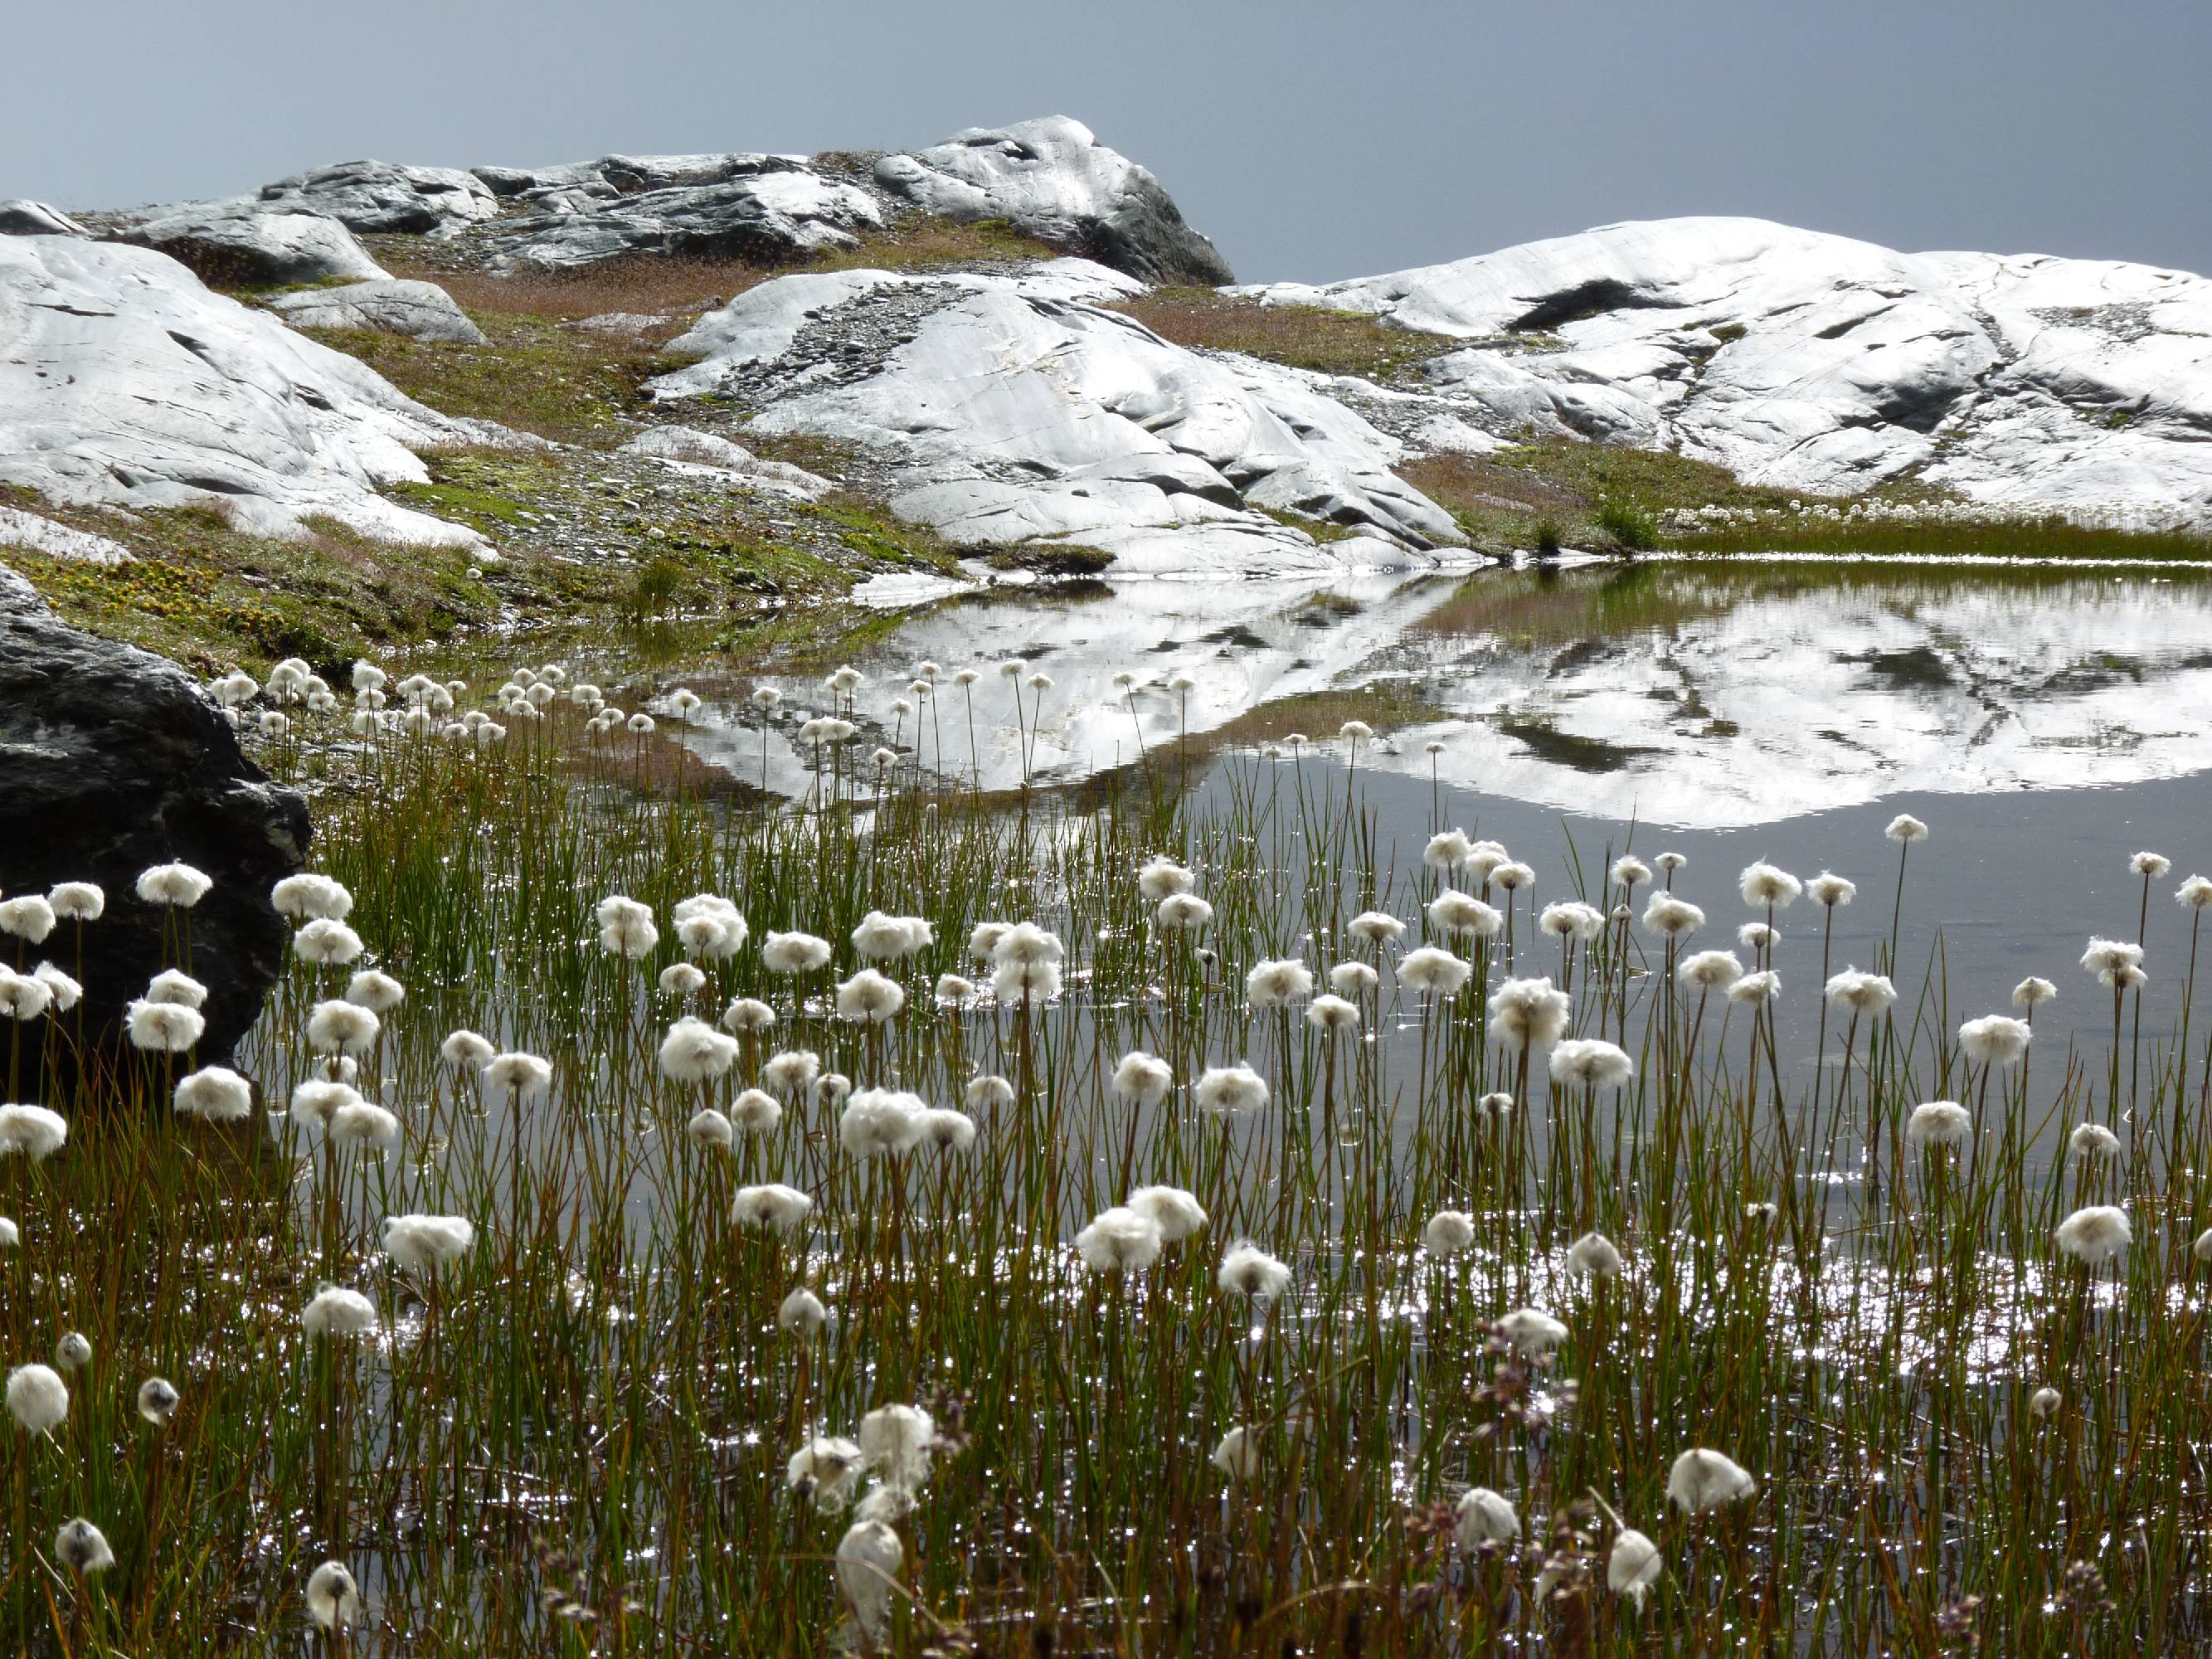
<point x="19" y="217"/>
<point x="422" y="311"/>
<point x="381" y="196"/>
<point x="1053" y="178"/>
<point x="1817" y="363"/>
<point x="60" y="541"/>
<point x="125" y="382"/>
<point x="703" y="453"/>
<point x="1013" y="413"/>
<point x="236" y="243"/>
<point x="768" y="208"/>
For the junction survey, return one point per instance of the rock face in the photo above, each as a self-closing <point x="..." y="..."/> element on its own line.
<point x="376" y="195"/>
<point x="125" y="382"/>
<point x="1053" y="178"/>
<point x="241" y="244"/>
<point x="750" y="206"/>
<point x="422" y="311"/>
<point x="1818" y="362"/>
<point x="20" y="217"/>
<point x="116" y="762"/>
<point x="703" y="453"/>
<point x="1015" y="409"/>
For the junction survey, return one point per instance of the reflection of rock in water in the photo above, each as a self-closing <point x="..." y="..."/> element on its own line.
<point x="1694" y="693"/>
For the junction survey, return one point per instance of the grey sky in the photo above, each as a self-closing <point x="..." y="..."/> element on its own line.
<point x="1310" y="141"/>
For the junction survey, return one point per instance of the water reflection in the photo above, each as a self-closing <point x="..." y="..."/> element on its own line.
<point x="1710" y="694"/>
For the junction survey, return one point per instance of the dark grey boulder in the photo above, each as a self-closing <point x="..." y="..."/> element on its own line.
<point x="113" y="760"/>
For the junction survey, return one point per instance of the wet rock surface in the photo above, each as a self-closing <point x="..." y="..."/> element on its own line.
<point x="115" y="761"/>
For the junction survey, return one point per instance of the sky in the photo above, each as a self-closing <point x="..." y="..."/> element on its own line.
<point x="1310" y="141"/>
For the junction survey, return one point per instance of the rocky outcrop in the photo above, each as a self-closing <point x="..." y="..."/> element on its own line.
<point x="1014" y="408"/>
<point x="1053" y="178"/>
<point x="378" y="195"/>
<point x="1817" y="363"/>
<point x="702" y="453"/>
<point x="22" y="217"/>
<point x="125" y="382"/>
<point x="242" y="245"/>
<point x="422" y="311"/>
<point x="115" y="761"/>
<point x="765" y="207"/>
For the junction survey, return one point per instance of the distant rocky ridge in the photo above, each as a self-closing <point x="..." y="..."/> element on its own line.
<point x="1008" y="403"/>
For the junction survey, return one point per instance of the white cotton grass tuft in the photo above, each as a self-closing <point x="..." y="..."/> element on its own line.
<point x="626" y="927"/>
<point x="158" y="1400"/>
<point x="177" y="885"/>
<point x="1483" y="859"/>
<point x="466" y="1049"/>
<point x="1230" y="1090"/>
<point x="341" y="1028"/>
<point x="1015" y="982"/>
<point x="333" y="1598"/>
<point x="896" y="1441"/>
<point x="2118" y="964"/>
<point x="82" y="1548"/>
<point x="2032" y="993"/>
<point x="1709" y="971"/>
<point x="309" y="896"/>
<point x="23" y="997"/>
<point x="327" y="943"/>
<point x="754" y="1112"/>
<point x="1905" y="829"/>
<point x="1376" y="927"/>
<point x="163" y="1028"/>
<point x="1463" y="914"/>
<point x="2043" y="1405"/>
<point x="1530" y="1013"/>
<point x="1177" y="1213"/>
<point x="711" y="1132"/>
<point x="2150" y="865"/>
<point x="62" y="992"/>
<point x="790" y="1075"/>
<point x="1995" y="1039"/>
<point x="1142" y="1079"/>
<point x="422" y="1243"/>
<point x="215" y="1093"/>
<point x="988" y="1093"/>
<point x="1671" y="917"/>
<point x="379" y="992"/>
<point x="2194" y="894"/>
<point x="879" y="1122"/>
<point x="954" y="990"/>
<point x="2092" y="1140"/>
<point x="362" y="1125"/>
<point x="1275" y="983"/>
<point x="1531" y="1331"/>
<point x="1629" y="871"/>
<point x="1118" y="1240"/>
<point x="2095" y="1234"/>
<point x="11" y="1236"/>
<point x="770" y="1208"/>
<point x="1590" y="1063"/>
<point x="681" y="981"/>
<point x="33" y="1131"/>
<point x="1447" y="850"/>
<point x="1248" y="1271"/>
<point x="1756" y="990"/>
<point x="802" y="1314"/>
<point x="1353" y="979"/>
<point x="825" y="1471"/>
<point x="334" y="1311"/>
<point x="1484" y="1518"/>
<point x="946" y="1130"/>
<point x="38" y="1399"/>
<point x="869" y="997"/>
<point x="746" y="1016"/>
<point x="1633" y="1567"/>
<point x="1861" y="992"/>
<point x="315" y="1101"/>
<point x="1024" y="942"/>
<point x="1939" y="1124"/>
<point x="1702" y="1480"/>
<point x="1449" y="1233"/>
<point x="1330" y="1014"/>
<point x="881" y="938"/>
<point x="1184" y="912"/>
<point x="1573" y="918"/>
<point x="1236" y="1454"/>
<point x="78" y="901"/>
<point x="1163" y="878"/>
<point x="695" y="1052"/>
<point x="1430" y="971"/>
<point x="1765" y="886"/>
<point x="1594" y="1256"/>
<point x="28" y="916"/>
<point x="869" y="1558"/>
<point x="794" y="953"/>
<point x="72" y="1352"/>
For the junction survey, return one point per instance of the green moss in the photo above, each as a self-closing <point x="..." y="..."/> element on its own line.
<point x="875" y="534"/>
